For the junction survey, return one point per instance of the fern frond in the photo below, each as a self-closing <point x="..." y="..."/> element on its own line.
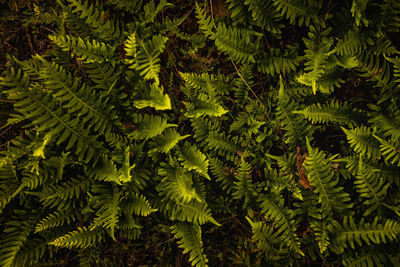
<point x="61" y="195"/>
<point x="137" y="204"/>
<point x="193" y="212"/>
<point x="17" y="234"/>
<point x="149" y="126"/>
<point x="277" y="61"/>
<point x="211" y="84"/>
<point x="219" y="170"/>
<point x="105" y="29"/>
<point x="55" y="219"/>
<point x="106" y="201"/>
<point x="193" y="159"/>
<point x="238" y="43"/>
<point x="241" y="89"/>
<point x="226" y="146"/>
<point x="294" y="126"/>
<point x="156" y="99"/>
<point x="334" y="112"/>
<point x="358" y="11"/>
<point x="302" y="12"/>
<point x="371" y="187"/>
<point x="370" y="257"/>
<point x="390" y="151"/>
<point x="177" y="184"/>
<point x="206" y="23"/>
<point x="265" y="15"/>
<point x="283" y="221"/>
<point x="389" y="125"/>
<point x="264" y="235"/>
<point x="151" y="10"/>
<point x="204" y="105"/>
<point x="378" y="71"/>
<point x="99" y="115"/>
<point x="362" y="141"/>
<point x="166" y="141"/>
<point x="53" y="120"/>
<point x="243" y="186"/>
<point x="317" y="54"/>
<point x="104" y="75"/>
<point x="86" y="50"/>
<point x="320" y="231"/>
<point x="353" y="42"/>
<point x="189" y="236"/>
<point x="81" y="238"/>
<point x="146" y="56"/>
<point x="323" y="181"/>
<point x="349" y="234"/>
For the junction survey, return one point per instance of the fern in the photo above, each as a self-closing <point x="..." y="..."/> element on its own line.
<point x="146" y="56"/>
<point x="227" y="40"/>
<point x="193" y="159"/>
<point x="331" y="197"/>
<point x="55" y="219"/>
<point x="317" y="53"/>
<point x="149" y="126"/>
<point x="189" y="236"/>
<point x="17" y="234"/>
<point x="105" y="29"/>
<point x="107" y="204"/>
<point x="81" y="238"/>
<point x="157" y="100"/>
<point x="293" y="125"/>
<point x="370" y="186"/>
<point x="167" y="141"/>
<point x="277" y="61"/>
<point x="362" y="141"/>
<point x="243" y="187"/>
<point x="87" y="50"/>
<point x="302" y="12"/>
<point x="177" y="185"/>
<point x="390" y="151"/>
<point x="351" y="234"/>
<point x="283" y="222"/>
<point x="331" y="113"/>
<point x="138" y="205"/>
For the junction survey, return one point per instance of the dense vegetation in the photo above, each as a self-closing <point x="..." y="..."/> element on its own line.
<point x="168" y="133"/>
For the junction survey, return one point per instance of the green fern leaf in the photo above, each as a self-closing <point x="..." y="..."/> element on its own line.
<point x="149" y="126"/>
<point x="283" y="222"/>
<point x="362" y="141"/>
<point x="324" y="183"/>
<point x="81" y="238"/>
<point x="137" y="204"/>
<point x="193" y="159"/>
<point x="243" y="187"/>
<point x="147" y="59"/>
<point x="350" y="234"/>
<point x="177" y="184"/>
<point x="107" y="204"/>
<point x="390" y="151"/>
<point x="370" y="186"/>
<point x="190" y="240"/>
<point x="157" y="99"/>
<point x="166" y="141"/>
<point x="55" y="219"/>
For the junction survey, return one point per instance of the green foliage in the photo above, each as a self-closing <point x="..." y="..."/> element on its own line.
<point x="254" y="133"/>
<point x="189" y="236"/>
<point x="332" y="197"/>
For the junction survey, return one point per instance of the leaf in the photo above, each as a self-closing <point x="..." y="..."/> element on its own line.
<point x="193" y="159"/>
<point x="167" y="140"/>
<point x="157" y="100"/>
<point x="190" y="240"/>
